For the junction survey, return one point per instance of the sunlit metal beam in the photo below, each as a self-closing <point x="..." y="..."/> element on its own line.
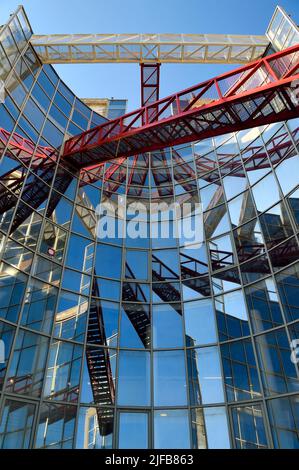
<point x="149" y="48"/>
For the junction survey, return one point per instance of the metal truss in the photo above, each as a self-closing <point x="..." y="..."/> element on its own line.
<point x="138" y="48"/>
<point x="282" y="30"/>
<point x="254" y="157"/>
<point x="256" y="94"/>
<point x="24" y="148"/>
<point x="150" y="82"/>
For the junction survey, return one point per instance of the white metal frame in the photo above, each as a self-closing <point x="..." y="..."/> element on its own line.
<point x="130" y="48"/>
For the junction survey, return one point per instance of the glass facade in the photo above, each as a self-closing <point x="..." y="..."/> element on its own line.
<point x="143" y="343"/>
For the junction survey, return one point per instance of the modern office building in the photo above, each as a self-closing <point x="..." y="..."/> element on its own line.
<point x="150" y="342"/>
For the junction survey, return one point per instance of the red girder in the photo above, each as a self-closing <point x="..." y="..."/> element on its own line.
<point x="23" y="147"/>
<point x="278" y="147"/>
<point x="256" y="94"/>
<point x="150" y="82"/>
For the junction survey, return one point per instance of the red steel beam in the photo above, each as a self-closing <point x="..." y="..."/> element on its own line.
<point x="23" y="149"/>
<point x="150" y="81"/>
<point x="256" y="94"/>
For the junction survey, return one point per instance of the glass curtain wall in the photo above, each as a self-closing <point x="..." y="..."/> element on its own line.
<point x="146" y="342"/>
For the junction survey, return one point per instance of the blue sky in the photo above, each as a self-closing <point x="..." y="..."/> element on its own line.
<point x="144" y="16"/>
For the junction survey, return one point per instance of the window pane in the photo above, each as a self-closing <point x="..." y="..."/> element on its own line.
<point x="62" y="378"/>
<point x="284" y="420"/>
<point x="205" y="376"/>
<point x="249" y="429"/>
<point x="288" y="284"/>
<point x="240" y="371"/>
<point x="56" y="427"/>
<point x="98" y="381"/>
<point x="169" y="378"/>
<point x="263" y="306"/>
<point x="108" y="261"/>
<point x="232" y="315"/>
<point x="279" y="374"/>
<point x="167" y="326"/>
<point x="27" y="369"/>
<point x="171" y="429"/>
<point x="12" y="289"/>
<point x="95" y="428"/>
<point x="134" y="378"/>
<point x="133" y="431"/>
<point x="16" y="425"/>
<point x="199" y="439"/>
<point x="7" y="333"/>
<point x="200" y="322"/>
<point x="39" y="306"/>
<point x="217" y="428"/>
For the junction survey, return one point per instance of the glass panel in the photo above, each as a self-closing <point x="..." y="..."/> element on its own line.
<point x="56" y="427"/>
<point x="221" y="253"/>
<point x="39" y="306"/>
<point x="169" y="375"/>
<point x="135" y="327"/>
<point x="7" y="333"/>
<point x="98" y="381"/>
<point x="199" y="440"/>
<point x="134" y="378"/>
<point x="276" y="225"/>
<point x="231" y="315"/>
<point x="103" y="323"/>
<point x="63" y="373"/>
<point x="53" y="241"/>
<point x="16" y="425"/>
<point x="216" y="221"/>
<point x="284" y="421"/>
<point x="205" y="376"/>
<point x="167" y="326"/>
<point x="279" y="374"/>
<point x="293" y="201"/>
<point x="255" y="269"/>
<point x="200" y="323"/>
<point x="95" y="428"/>
<point x="217" y="428"/>
<point x="108" y="289"/>
<point x="263" y="306"/>
<point x="80" y="253"/>
<point x="12" y="289"/>
<point x="71" y="316"/>
<point x="136" y="264"/>
<point x="265" y="193"/>
<point x="27" y="368"/>
<point x="235" y="183"/>
<point x="133" y="431"/>
<point x="287" y="173"/>
<point x="240" y="371"/>
<point x="171" y="429"/>
<point x="108" y="261"/>
<point x="249" y="241"/>
<point x="241" y="209"/>
<point x="288" y="284"/>
<point x="194" y="261"/>
<point x="249" y="428"/>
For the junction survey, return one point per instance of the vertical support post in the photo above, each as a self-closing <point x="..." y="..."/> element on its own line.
<point x="150" y="83"/>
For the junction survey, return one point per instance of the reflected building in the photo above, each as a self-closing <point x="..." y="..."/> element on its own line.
<point x="144" y="342"/>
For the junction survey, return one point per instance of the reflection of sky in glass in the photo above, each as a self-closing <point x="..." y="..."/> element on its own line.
<point x="133" y="432"/>
<point x="171" y="428"/>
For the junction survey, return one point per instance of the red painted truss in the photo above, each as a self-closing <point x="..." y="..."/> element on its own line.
<point x="257" y="94"/>
<point x="24" y="148"/>
<point x="150" y="82"/>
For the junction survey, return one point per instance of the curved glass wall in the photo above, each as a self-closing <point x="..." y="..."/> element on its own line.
<point x="143" y="342"/>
